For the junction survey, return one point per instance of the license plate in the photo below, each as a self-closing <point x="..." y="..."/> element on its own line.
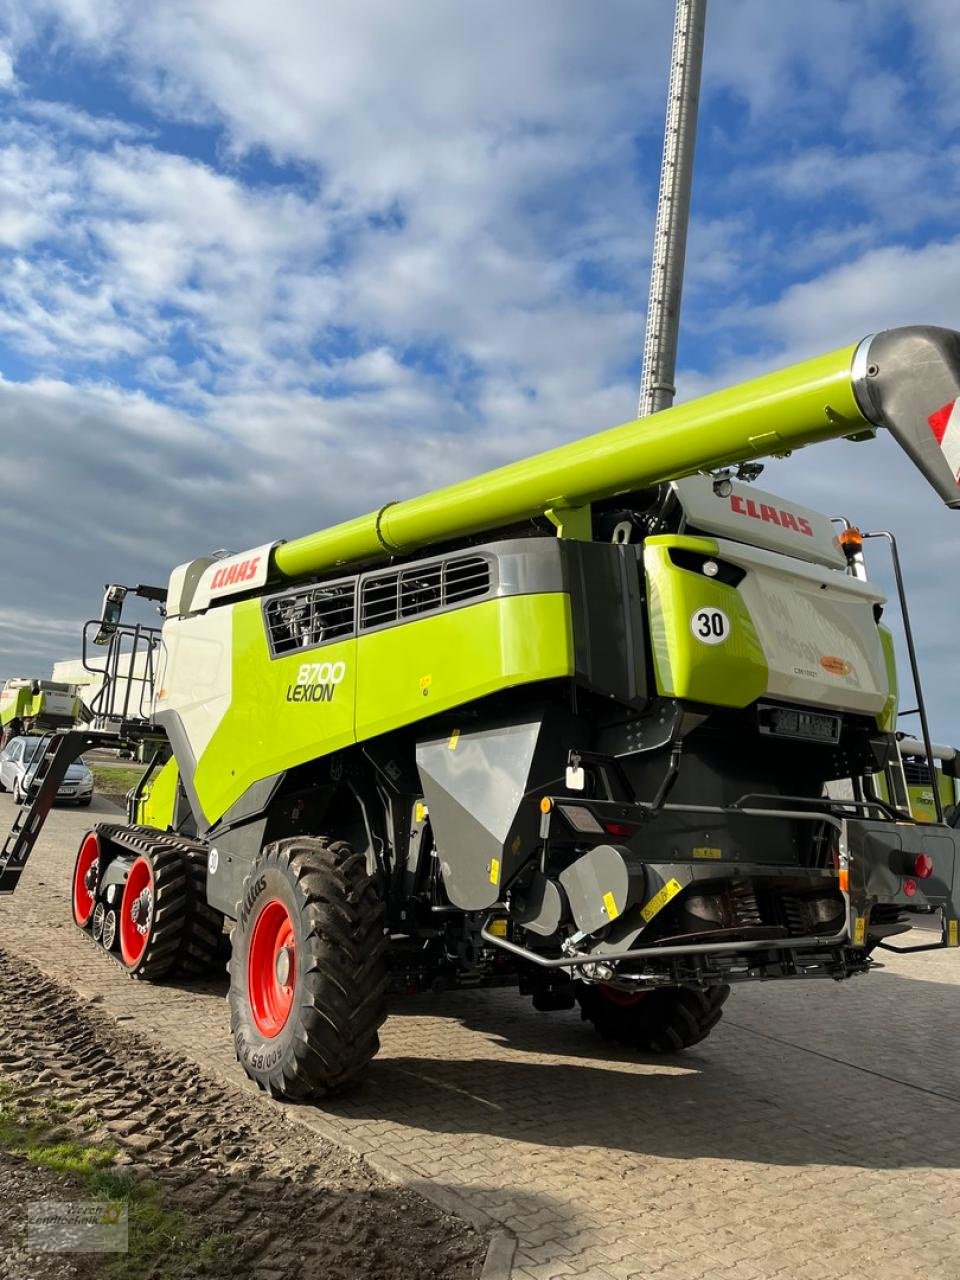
<point x="68" y="791"/>
<point x="786" y="722"/>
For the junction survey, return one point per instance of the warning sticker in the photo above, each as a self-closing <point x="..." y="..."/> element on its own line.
<point x="454" y="739"/>
<point x="660" y="900"/>
<point x="953" y="933"/>
<point x="707" y="851"/>
<point x="494" y="870"/>
<point x="610" y="906"/>
<point x="859" y="931"/>
<point x="945" y="425"/>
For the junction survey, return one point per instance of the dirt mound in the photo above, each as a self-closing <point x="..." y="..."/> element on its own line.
<point x="203" y="1162"/>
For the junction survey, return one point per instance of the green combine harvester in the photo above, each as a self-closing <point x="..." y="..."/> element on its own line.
<point x="577" y="724"/>
<point x="31" y="706"/>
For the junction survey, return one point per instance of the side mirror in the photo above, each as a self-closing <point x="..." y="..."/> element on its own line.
<point x="110" y="612"/>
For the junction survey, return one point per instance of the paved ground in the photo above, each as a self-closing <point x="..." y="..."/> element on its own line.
<point x="815" y="1135"/>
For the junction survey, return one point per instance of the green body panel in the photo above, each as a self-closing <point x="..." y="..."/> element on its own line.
<point x="390" y="678"/>
<point x="16" y="702"/>
<point x="781" y="411"/>
<point x="158" y="802"/>
<point x="921" y="797"/>
<point x="732" y="674"/>
<point x="21" y="702"/>
<point x="887" y="720"/>
<point x="421" y="668"/>
<point x="264" y="730"/>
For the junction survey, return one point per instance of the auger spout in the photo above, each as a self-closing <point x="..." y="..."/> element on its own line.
<point x="904" y="379"/>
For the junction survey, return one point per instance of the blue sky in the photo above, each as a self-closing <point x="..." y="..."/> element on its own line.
<point x="266" y="266"/>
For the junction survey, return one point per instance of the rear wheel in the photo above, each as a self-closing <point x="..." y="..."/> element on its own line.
<point x="308" y="971"/>
<point x="152" y="913"/>
<point x="664" y="1020"/>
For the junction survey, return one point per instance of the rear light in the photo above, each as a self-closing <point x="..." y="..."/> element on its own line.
<point x="618" y="829"/>
<point x="909" y="887"/>
<point x="923" y="866"/>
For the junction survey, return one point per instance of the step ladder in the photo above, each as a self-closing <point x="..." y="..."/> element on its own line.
<point x="58" y="752"/>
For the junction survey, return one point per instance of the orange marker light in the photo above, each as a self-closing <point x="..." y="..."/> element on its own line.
<point x="546" y="804"/>
<point x="844" y="877"/>
<point x="851" y="542"/>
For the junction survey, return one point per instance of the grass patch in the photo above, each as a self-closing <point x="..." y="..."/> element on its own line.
<point x="116" y="780"/>
<point x="164" y="1244"/>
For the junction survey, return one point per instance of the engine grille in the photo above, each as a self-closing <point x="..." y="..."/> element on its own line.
<point x="417" y="589"/>
<point x="314" y="616"/>
<point x="306" y="619"/>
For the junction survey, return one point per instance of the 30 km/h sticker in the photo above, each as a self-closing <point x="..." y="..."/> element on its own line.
<point x="710" y="626"/>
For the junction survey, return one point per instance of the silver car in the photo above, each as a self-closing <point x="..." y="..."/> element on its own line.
<point x="18" y="763"/>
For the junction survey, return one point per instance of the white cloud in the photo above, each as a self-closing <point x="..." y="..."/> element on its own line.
<point x="454" y="272"/>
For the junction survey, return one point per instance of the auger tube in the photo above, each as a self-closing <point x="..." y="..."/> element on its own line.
<point x="895" y="379"/>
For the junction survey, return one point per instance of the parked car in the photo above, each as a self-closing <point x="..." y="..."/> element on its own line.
<point x="18" y="763"/>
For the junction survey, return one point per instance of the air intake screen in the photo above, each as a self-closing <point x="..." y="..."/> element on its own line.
<point x="420" y="589"/>
<point x="311" y="618"/>
<point x="917" y="773"/>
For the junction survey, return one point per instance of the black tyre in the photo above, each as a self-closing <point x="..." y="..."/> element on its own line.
<point x="201" y="947"/>
<point x="308" y="971"/>
<point x="665" y="1020"/>
<point x="152" y="913"/>
<point x="85" y="804"/>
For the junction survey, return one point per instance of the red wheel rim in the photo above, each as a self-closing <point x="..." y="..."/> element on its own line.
<point x="84" y="879"/>
<point x="136" y="912"/>
<point x="613" y="995"/>
<point x="272" y="968"/>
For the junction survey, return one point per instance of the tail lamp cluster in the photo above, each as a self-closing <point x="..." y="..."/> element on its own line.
<point x="922" y="870"/>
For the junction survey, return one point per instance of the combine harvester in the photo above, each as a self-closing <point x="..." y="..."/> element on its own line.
<point x="31" y="706"/>
<point x="571" y="724"/>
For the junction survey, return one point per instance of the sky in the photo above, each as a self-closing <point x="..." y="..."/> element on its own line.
<point x="269" y="266"/>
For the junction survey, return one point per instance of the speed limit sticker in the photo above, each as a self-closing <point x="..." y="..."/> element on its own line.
<point x="710" y="626"/>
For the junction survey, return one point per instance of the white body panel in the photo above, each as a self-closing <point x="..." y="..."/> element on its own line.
<point x="195" y="673"/>
<point x="817" y="629"/>
<point x="233" y="575"/>
<point x="760" y="519"/>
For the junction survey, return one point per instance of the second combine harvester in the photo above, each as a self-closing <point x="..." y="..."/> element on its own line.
<point x="575" y="723"/>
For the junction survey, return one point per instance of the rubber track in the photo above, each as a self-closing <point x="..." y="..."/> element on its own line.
<point x="294" y="1207"/>
<point x="188" y="932"/>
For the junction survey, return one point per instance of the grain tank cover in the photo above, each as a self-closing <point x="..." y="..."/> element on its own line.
<point x="908" y="380"/>
<point x="751" y="515"/>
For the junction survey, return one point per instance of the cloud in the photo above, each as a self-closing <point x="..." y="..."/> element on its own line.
<point x="295" y="260"/>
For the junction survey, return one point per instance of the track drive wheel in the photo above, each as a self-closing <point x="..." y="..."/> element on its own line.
<point x="152" y="914"/>
<point x="308" y="972"/>
<point x="85" y="871"/>
<point x="664" y="1020"/>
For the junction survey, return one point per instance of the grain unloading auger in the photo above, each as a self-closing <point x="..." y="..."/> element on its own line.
<point x="609" y="722"/>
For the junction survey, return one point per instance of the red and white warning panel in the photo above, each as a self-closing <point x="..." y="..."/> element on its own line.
<point x="945" y="425"/>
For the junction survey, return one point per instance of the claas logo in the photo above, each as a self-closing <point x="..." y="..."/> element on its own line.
<point x="770" y="515"/>
<point x="239" y="571"/>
